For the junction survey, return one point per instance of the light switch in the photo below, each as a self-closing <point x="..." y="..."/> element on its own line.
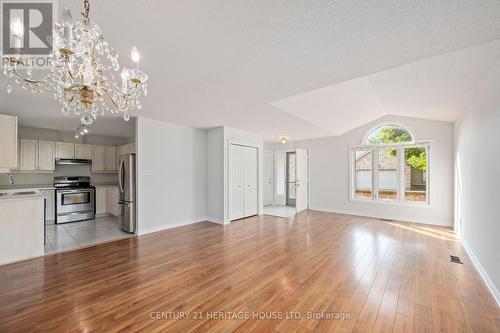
<point x="147" y="172"/>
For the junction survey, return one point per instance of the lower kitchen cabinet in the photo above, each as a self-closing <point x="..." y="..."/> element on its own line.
<point x="112" y="203"/>
<point x="101" y="200"/>
<point x="106" y="200"/>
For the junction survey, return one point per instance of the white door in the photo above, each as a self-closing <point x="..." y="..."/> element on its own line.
<point x="251" y="172"/>
<point x="268" y="178"/>
<point x="301" y="180"/>
<point x="236" y="182"/>
<point x="280" y="178"/>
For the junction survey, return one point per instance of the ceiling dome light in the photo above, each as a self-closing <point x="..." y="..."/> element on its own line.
<point x="284" y="140"/>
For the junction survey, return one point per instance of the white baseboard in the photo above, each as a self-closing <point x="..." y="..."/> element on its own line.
<point x="171" y="225"/>
<point x="214" y="220"/>
<point x="441" y="223"/>
<point x="486" y="278"/>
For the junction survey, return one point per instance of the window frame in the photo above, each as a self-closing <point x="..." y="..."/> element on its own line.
<point x="375" y="149"/>
<point x="370" y="131"/>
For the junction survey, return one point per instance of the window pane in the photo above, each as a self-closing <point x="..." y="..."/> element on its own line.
<point x="363" y="177"/>
<point x="415" y="174"/>
<point x="388" y="134"/>
<point x="388" y="174"/>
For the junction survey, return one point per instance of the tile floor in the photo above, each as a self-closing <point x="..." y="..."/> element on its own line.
<point x="63" y="237"/>
<point x="281" y="211"/>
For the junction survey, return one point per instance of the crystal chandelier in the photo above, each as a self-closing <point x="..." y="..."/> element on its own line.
<point x="81" y="73"/>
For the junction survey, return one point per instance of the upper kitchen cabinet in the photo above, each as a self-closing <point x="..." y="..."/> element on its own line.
<point x="8" y="143"/>
<point x="28" y="155"/>
<point x="65" y="150"/>
<point x="98" y="158"/>
<point x="36" y="155"/>
<point x="83" y="152"/>
<point x="110" y="158"/>
<point x="46" y="155"/>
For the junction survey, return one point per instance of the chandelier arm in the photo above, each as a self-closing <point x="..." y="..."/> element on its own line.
<point x="107" y="91"/>
<point x="19" y="75"/>
<point x="116" y="89"/>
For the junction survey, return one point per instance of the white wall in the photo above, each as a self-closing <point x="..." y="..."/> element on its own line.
<point x="477" y="165"/>
<point x="215" y="174"/>
<point x="329" y="173"/>
<point x="174" y="194"/>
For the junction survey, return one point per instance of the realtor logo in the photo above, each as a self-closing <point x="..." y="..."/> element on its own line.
<point x="27" y="27"/>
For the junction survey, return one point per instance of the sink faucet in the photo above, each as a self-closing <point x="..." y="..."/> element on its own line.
<point x="11" y="179"/>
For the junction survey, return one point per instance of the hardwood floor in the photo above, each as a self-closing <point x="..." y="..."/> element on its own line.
<point x="381" y="276"/>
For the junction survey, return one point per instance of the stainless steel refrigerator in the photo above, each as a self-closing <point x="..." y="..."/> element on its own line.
<point x="127" y="192"/>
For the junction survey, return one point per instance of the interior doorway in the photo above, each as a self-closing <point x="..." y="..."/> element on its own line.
<point x="291" y="174"/>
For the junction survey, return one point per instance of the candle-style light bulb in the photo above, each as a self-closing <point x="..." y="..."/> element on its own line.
<point x="67" y="22"/>
<point x="135" y="56"/>
<point x="66" y="17"/>
<point x="17" y="28"/>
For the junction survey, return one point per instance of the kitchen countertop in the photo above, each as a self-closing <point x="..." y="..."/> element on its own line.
<point x="104" y="184"/>
<point x="10" y="188"/>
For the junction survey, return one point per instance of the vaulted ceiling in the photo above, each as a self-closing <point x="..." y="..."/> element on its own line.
<point x="302" y="69"/>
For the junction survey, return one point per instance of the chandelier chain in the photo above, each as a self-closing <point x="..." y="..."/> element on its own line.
<point x="86" y="7"/>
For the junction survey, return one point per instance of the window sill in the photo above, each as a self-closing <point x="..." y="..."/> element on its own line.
<point x="392" y="203"/>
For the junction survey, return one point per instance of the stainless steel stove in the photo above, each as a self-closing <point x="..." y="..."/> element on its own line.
<point x="75" y="199"/>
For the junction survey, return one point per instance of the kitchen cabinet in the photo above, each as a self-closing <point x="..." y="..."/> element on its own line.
<point x="103" y="158"/>
<point x="101" y="200"/>
<point x="98" y="157"/>
<point x="112" y="200"/>
<point x="83" y="152"/>
<point x="65" y="150"/>
<point x="46" y="155"/>
<point x="28" y="155"/>
<point x="126" y="149"/>
<point x="8" y="143"/>
<point x="110" y="158"/>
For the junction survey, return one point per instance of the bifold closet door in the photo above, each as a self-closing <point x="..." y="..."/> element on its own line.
<point x="250" y="181"/>
<point x="236" y="182"/>
<point x="243" y="195"/>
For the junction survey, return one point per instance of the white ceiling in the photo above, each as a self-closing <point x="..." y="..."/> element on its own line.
<point x="246" y="64"/>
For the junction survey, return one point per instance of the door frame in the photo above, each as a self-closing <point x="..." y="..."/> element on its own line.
<point x="287" y="182"/>
<point x="272" y="175"/>
<point x="227" y="186"/>
<point x="308" y="170"/>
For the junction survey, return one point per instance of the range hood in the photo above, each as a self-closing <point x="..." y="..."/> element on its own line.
<point x="72" y="161"/>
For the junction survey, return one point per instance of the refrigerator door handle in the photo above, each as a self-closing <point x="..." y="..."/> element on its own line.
<point x="121" y="174"/>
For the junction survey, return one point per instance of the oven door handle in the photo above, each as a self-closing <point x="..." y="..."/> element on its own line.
<point x="74" y="191"/>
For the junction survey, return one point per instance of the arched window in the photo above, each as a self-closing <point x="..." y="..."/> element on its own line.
<point x="390" y="167"/>
<point x="388" y="134"/>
